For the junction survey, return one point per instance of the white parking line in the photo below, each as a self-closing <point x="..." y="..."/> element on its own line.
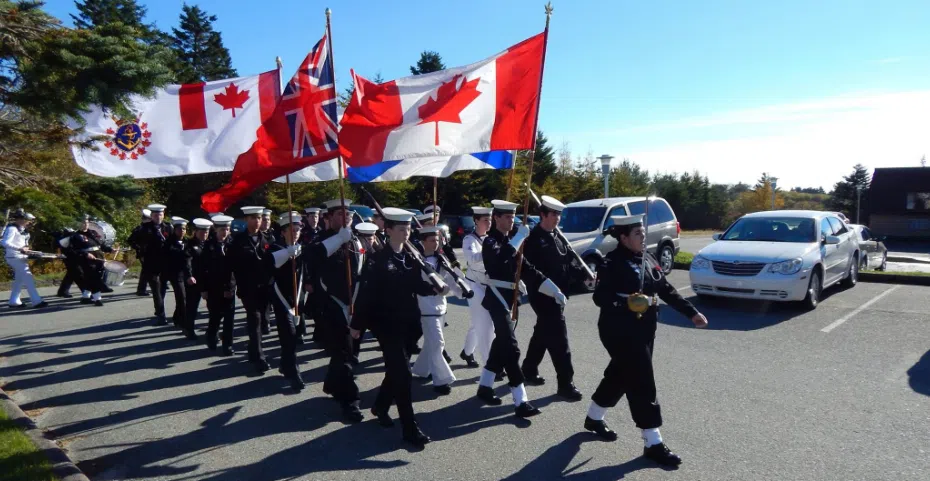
<point x="859" y="309"/>
<point x="686" y="288"/>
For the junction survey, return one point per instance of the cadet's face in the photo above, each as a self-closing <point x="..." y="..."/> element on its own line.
<point x="636" y="241"/>
<point x="157" y="217"/>
<point x="201" y="234"/>
<point x="483" y="224"/>
<point x="550" y="220"/>
<point x="252" y="222"/>
<point x="85" y="225"/>
<point x="180" y="230"/>
<point x="341" y="214"/>
<point x="313" y="219"/>
<point x="378" y="221"/>
<point x="222" y="233"/>
<point x="292" y="232"/>
<point x="266" y="223"/>
<point x="399" y="233"/>
<point x="431" y="243"/>
<point x="504" y="222"/>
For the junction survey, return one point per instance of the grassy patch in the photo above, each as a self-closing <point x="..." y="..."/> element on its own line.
<point x="684" y="257"/>
<point x="698" y="233"/>
<point x="19" y="459"/>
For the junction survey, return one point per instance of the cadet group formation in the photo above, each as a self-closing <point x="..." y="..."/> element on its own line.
<point x="392" y="279"/>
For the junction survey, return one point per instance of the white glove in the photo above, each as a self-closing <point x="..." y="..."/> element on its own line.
<point x="280" y="257"/>
<point x="519" y="237"/>
<point x="294" y="250"/>
<point x="292" y="317"/>
<point x="333" y="243"/>
<point x="550" y="289"/>
<point x="522" y="288"/>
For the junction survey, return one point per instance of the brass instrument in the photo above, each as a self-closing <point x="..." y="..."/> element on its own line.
<point x="639" y="302"/>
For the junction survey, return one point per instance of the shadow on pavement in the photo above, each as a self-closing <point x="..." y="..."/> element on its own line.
<point x="725" y="314"/>
<point x="918" y="376"/>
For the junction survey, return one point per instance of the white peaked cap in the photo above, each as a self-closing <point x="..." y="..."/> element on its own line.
<point x="178" y="221"/>
<point x="266" y="213"/>
<point x="552" y="203"/>
<point x="337" y="203"/>
<point x="287" y="217"/>
<point x="366" y="228"/>
<point x="627" y="219"/>
<point x="397" y="215"/>
<point x="311" y="210"/>
<point x="504" y="205"/>
<point x="221" y="220"/>
<point x="430" y="230"/>
<point x="253" y="210"/>
<point x="200" y="223"/>
<point x="156" y="208"/>
<point x="423" y="217"/>
<point x="146" y="213"/>
<point x="429" y="209"/>
<point x="478" y="210"/>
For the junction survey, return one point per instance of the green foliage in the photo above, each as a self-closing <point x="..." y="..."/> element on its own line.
<point x="843" y="198"/>
<point x="808" y="190"/>
<point x="684" y="258"/>
<point x="200" y="51"/>
<point x="429" y="62"/>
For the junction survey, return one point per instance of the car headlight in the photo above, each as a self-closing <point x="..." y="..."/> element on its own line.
<point x="699" y="263"/>
<point x="787" y="267"/>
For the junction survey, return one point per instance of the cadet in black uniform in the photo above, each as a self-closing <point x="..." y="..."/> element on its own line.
<point x="366" y="233"/>
<point x="195" y="272"/>
<point x="252" y="280"/>
<point x="84" y="243"/>
<point x="63" y="239"/>
<point x="392" y="283"/>
<point x="309" y="233"/>
<point x="155" y="235"/>
<point x="268" y="232"/>
<point x="278" y="260"/>
<point x="553" y="257"/>
<point x="499" y="255"/>
<point x="629" y="338"/>
<point x="220" y="285"/>
<point x="172" y="269"/>
<point x="137" y="242"/>
<point x="316" y="298"/>
<point x="328" y="257"/>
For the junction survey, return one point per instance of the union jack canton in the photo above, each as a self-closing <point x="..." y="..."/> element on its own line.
<point x="309" y="104"/>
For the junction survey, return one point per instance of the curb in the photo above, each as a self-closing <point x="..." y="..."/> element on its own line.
<point x="894" y="279"/>
<point x="908" y="260"/>
<point x="62" y="466"/>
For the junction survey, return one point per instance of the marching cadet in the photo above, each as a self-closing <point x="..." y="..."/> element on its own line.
<point x="311" y="225"/>
<point x="172" y="269"/>
<point x="84" y="243"/>
<point x="195" y="273"/>
<point x="309" y="233"/>
<point x="278" y="259"/>
<point x="553" y="258"/>
<point x="63" y="240"/>
<point x="211" y="215"/>
<point x="629" y="336"/>
<point x="155" y="236"/>
<point x="268" y="232"/>
<point x="15" y="242"/>
<point x="431" y="361"/>
<point x="444" y="232"/>
<point x="246" y="253"/>
<point x="366" y="233"/>
<point x="377" y="220"/>
<point x="315" y="297"/>
<point x="328" y="257"/>
<point x="480" y="330"/>
<point x="499" y="255"/>
<point x="137" y="242"/>
<point x="219" y="287"/>
<point x="394" y="280"/>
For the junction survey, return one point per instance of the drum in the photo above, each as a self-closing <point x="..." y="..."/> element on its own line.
<point x="114" y="273"/>
<point x="105" y="232"/>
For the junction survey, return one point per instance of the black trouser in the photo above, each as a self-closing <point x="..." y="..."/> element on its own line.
<point x="89" y="276"/>
<point x="630" y="372"/>
<point x="255" y="304"/>
<point x="505" y="351"/>
<point x="220" y="308"/>
<point x="143" y="277"/>
<point x="549" y="334"/>
<point x="396" y="385"/>
<point x="287" y="336"/>
<point x="72" y="276"/>
<point x="339" y="381"/>
<point x="159" y="286"/>
<point x="192" y="307"/>
<point x="180" y="298"/>
<point x="413" y="337"/>
<point x="314" y="305"/>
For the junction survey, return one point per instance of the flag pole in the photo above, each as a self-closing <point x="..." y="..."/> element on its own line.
<point x="435" y="189"/>
<point x="290" y="207"/>
<point x="342" y="186"/>
<point x="513" y="169"/>
<point x="514" y="315"/>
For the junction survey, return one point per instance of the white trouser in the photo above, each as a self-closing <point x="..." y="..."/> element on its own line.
<point x="430" y="359"/>
<point x="22" y="277"/>
<point x="481" y="330"/>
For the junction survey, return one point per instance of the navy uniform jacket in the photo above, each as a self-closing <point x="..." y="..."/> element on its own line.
<point x="218" y="268"/>
<point x="247" y="256"/>
<point x="154" y="237"/>
<point x="282" y="278"/>
<point x="86" y="240"/>
<point x="501" y="265"/>
<point x="328" y="273"/>
<point x="194" y="265"/>
<point x="552" y="257"/>
<point x="388" y="300"/>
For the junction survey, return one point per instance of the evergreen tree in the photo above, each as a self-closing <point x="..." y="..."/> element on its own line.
<point x="544" y="165"/>
<point x="199" y="48"/>
<point x="96" y="13"/>
<point x="429" y="62"/>
<point x="843" y="198"/>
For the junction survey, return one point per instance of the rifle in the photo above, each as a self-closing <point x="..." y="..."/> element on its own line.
<point x="559" y="233"/>
<point x="414" y="253"/>
<point x="444" y="263"/>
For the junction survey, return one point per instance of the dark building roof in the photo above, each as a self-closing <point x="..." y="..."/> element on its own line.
<point x="890" y="186"/>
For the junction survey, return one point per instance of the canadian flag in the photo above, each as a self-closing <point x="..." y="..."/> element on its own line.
<point x="181" y="129"/>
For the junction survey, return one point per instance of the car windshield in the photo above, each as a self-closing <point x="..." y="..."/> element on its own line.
<point x="363" y="210"/>
<point x="577" y="220"/>
<point x="772" y="229"/>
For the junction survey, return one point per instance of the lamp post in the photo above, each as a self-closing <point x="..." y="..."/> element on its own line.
<point x="858" y="196"/>
<point x="774" y="182"/>
<point x="605" y="170"/>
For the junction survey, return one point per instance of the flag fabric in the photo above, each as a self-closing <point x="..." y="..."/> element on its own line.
<point x="487" y="106"/>
<point x="321" y="172"/>
<point x="404" y="169"/>
<point x="301" y="131"/>
<point x="181" y="129"/>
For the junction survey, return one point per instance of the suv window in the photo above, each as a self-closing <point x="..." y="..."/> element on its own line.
<point x="659" y="211"/>
<point x="577" y="220"/>
<point x="838" y="226"/>
<point x="865" y="234"/>
<point x="825" y="228"/>
<point x="618" y="210"/>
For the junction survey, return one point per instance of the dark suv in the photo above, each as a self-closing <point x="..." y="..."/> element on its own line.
<point x="459" y="227"/>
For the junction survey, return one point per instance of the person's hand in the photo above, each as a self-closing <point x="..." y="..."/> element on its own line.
<point x="699" y="321"/>
<point x="191" y="281"/>
<point x="91" y="256"/>
<point x="355" y="333"/>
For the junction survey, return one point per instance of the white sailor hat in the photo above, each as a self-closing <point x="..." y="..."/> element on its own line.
<point x="200" y="223"/>
<point x="178" y="221"/>
<point x="292" y="217"/>
<point x="504" y="206"/>
<point x="366" y="228"/>
<point x="156" y="208"/>
<point x="430" y="230"/>
<point x="429" y="208"/>
<point x="478" y="210"/>
<point x="253" y="210"/>
<point x="552" y="203"/>
<point x="394" y="214"/>
<point x="213" y="214"/>
<point x="337" y="204"/>
<point x="146" y="213"/>
<point x="619" y="220"/>
<point x="29" y="216"/>
<point x="425" y="217"/>
<point x="311" y="210"/>
<point x="266" y="213"/>
<point x="221" y="220"/>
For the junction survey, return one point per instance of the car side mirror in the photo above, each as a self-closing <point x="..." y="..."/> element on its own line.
<point x="831" y="240"/>
<point x="717" y="237"/>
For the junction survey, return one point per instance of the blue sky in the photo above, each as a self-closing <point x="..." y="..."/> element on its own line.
<point x="801" y="89"/>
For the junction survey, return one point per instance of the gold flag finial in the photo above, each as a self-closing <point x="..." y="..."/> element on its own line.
<point x="549" y="9"/>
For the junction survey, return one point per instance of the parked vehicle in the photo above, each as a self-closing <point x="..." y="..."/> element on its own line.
<point x="584" y="224"/>
<point x="363" y="211"/>
<point x="874" y="253"/>
<point x="459" y="227"/>
<point x="778" y="256"/>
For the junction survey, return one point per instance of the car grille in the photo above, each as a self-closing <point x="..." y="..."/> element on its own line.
<point x="737" y="268"/>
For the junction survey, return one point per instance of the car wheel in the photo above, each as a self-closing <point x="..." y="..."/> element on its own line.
<point x="852" y="277"/>
<point x="588" y="283"/>
<point x="666" y="259"/>
<point x="813" y="291"/>
<point x="884" y="264"/>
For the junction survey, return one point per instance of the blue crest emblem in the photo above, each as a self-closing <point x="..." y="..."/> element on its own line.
<point x="130" y="139"/>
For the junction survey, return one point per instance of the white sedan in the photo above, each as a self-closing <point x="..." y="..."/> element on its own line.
<point x="778" y="256"/>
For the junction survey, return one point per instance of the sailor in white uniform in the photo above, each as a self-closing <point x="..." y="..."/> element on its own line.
<point x="15" y="242"/>
<point x="481" y="330"/>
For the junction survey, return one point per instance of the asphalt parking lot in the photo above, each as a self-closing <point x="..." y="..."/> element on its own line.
<point x="766" y="392"/>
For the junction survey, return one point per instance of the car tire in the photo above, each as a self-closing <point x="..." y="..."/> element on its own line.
<point x="814" y="290"/>
<point x="588" y="285"/>
<point x="852" y="274"/>
<point x="666" y="257"/>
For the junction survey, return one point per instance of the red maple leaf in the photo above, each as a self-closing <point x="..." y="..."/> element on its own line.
<point x="233" y="98"/>
<point x="134" y="156"/>
<point x="111" y="131"/>
<point x="143" y="125"/>
<point x="146" y="143"/>
<point x="122" y="156"/>
<point x="448" y="103"/>
<point x="146" y="134"/>
<point x="108" y="144"/>
<point x="141" y="150"/>
<point x="114" y="151"/>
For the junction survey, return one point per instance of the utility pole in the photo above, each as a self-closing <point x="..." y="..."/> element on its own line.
<point x="774" y="183"/>
<point x="858" y="196"/>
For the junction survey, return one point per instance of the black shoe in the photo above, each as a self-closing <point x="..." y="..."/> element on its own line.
<point x="261" y="366"/>
<point x="469" y="359"/>
<point x="500" y="377"/>
<point x="227" y="351"/>
<point x="106" y="289"/>
<point x="297" y="382"/>
<point x="40" y="305"/>
<point x="570" y="392"/>
<point x="142" y="294"/>
<point x="446" y="356"/>
<point x="300" y="340"/>
<point x="211" y="346"/>
<point x="65" y="295"/>
<point x="161" y="321"/>
<point x="534" y="379"/>
<point x="662" y="455"/>
<point x="487" y="395"/>
<point x="190" y="335"/>
<point x="416" y="437"/>
<point x="443" y="390"/>
<point x="98" y="303"/>
<point x="384" y="419"/>
<point x="526" y="410"/>
<point x="600" y="429"/>
<point x="18" y="306"/>
<point x="351" y="413"/>
<point x="86" y="300"/>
